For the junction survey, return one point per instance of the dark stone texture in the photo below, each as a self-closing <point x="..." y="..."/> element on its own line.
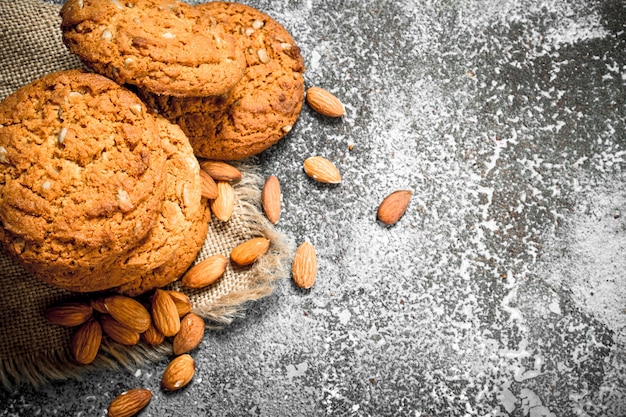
<point x="500" y="292"/>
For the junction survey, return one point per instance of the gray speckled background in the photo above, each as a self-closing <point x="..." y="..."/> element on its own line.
<point x="502" y="290"/>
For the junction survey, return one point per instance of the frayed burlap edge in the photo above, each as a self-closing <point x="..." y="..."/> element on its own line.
<point x="264" y="274"/>
<point x="39" y="368"/>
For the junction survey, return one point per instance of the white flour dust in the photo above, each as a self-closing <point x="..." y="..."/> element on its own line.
<point x="589" y="258"/>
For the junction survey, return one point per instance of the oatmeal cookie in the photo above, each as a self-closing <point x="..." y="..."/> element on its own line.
<point x="262" y="108"/>
<point x="83" y="175"/>
<point x="165" y="46"/>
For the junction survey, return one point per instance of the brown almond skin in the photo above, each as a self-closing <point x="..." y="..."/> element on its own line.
<point x="270" y="198"/>
<point x="324" y="102"/>
<point x="182" y="302"/>
<point x="322" y="170"/>
<point x="128" y="312"/>
<point x="223" y="205"/>
<point x="152" y="336"/>
<point x="209" y="187"/>
<point x="393" y="207"/>
<point x="129" y="403"/>
<point x="69" y="314"/>
<point x="205" y="272"/>
<point x="220" y="171"/>
<point x="249" y="251"/>
<point x="190" y="334"/>
<point x="178" y="373"/>
<point x="165" y="313"/>
<point x="118" y="332"/>
<point x="304" y="265"/>
<point x="86" y="342"/>
<point x="98" y="305"/>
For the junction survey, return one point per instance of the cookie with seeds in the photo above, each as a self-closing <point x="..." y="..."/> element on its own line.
<point x="262" y="108"/>
<point x="165" y="46"/>
<point x="83" y="173"/>
<point x="179" y="212"/>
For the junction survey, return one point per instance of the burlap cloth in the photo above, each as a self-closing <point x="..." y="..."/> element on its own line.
<point x="34" y="351"/>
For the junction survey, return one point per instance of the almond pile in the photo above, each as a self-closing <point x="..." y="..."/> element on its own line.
<point x="124" y="320"/>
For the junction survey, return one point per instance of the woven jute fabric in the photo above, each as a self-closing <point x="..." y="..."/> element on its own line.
<point x="34" y="351"/>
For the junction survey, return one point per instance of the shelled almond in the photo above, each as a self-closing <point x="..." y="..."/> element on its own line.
<point x="152" y="336"/>
<point x="270" y="198"/>
<point x="322" y="170"/>
<point x="182" y="302"/>
<point x="118" y="332"/>
<point x="205" y="272"/>
<point x="221" y="171"/>
<point x="304" y="265"/>
<point x="324" y="102"/>
<point x="248" y="252"/>
<point x="128" y="312"/>
<point x="129" y="403"/>
<point x="178" y="373"/>
<point x="190" y="334"/>
<point x="208" y="186"/>
<point x="164" y="313"/>
<point x="393" y="207"/>
<point x="223" y="205"/>
<point x="69" y="314"/>
<point x="86" y="342"/>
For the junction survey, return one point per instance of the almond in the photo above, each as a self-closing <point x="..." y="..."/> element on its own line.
<point x="86" y="342"/>
<point x="129" y="403"/>
<point x="178" y="372"/>
<point x="324" y="102"/>
<point x="393" y="207"/>
<point x="270" y="198"/>
<point x="304" y="265"/>
<point x="152" y="336"/>
<point x="224" y="205"/>
<point x="221" y="171"/>
<point x="182" y="302"/>
<point x="98" y="305"/>
<point x="208" y="186"/>
<point x="249" y="251"/>
<point x="190" y="334"/>
<point x="322" y="170"/>
<point x="205" y="272"/>
<point x="118" y="332"/>
<point x="164" y="313"/>
<point x="68" y="314"/>
<point x="128" y="312"/>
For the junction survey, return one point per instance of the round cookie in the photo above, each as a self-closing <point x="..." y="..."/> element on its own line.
<point x="82" y="171"/>
<point x="261" y="108"/>
<point x="179" y="211"/>
<point x="178" y="263"/>
<point x="164" y="46"/>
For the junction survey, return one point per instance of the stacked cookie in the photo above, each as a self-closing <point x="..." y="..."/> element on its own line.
<point x="96" y="190"/>
<point x="100" y="188"/>
<point x="229" y="75"/>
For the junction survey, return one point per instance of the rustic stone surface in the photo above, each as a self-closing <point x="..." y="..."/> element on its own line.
<point x="499" y="292"/>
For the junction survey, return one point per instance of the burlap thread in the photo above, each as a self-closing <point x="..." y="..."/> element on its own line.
<point x="34" y="351"/>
